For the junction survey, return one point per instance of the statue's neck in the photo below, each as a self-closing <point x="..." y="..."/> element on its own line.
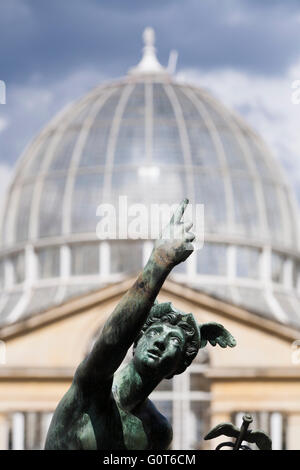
<point x="130" y="388"/>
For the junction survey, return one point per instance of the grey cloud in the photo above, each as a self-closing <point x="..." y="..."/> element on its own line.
<point x="50" y="39"/>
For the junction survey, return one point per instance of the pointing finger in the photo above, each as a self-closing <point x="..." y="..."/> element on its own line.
<point x="188" y="226"/>
<point x="176" y="218"/>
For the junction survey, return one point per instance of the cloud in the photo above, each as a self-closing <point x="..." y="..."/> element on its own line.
<point x="3" y="124"/>
<point x="31" y="105"/>
<point x="265" y="103"/>
<point x="53" y="39"/>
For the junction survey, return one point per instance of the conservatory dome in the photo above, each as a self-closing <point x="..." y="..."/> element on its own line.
<point x="155" y="140"/>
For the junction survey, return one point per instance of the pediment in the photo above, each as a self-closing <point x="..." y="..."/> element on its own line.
<point x="59" y="338"/>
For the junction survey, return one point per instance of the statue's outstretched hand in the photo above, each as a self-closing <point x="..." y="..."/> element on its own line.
<point x="175" y="242"/>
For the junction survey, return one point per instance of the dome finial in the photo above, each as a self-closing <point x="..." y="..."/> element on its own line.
<point x="149" y="37"/>
<point x="149" y="63"/>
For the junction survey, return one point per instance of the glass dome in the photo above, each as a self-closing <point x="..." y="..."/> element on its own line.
<point x="155" y="140"/>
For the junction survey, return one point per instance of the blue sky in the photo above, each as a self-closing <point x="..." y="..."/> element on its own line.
<point x="247" y="52"/>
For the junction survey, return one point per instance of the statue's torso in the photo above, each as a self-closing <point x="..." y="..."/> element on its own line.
<point x="105" y="425"/>
<point x="114" y="429"/>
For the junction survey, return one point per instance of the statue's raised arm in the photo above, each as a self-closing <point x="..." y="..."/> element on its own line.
<point x="126" y="321"/>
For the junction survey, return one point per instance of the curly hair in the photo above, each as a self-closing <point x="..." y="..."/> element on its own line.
<point x="166" y="313"/>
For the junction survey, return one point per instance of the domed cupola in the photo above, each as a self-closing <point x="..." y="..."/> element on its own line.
<point x="155" y="140"/>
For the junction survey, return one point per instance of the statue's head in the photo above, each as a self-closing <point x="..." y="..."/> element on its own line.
<point x="170" y="340"/>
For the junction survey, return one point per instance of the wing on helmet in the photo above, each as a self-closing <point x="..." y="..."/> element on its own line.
<point x="215" y="333"/>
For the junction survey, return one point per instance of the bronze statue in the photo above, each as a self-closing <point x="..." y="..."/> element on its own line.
<point x="104" y="410"/>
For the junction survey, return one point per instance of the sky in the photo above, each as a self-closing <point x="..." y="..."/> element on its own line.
<point x="246" y="52"/>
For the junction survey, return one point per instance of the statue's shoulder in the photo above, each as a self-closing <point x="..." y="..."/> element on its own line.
<point x="161" y="429"/>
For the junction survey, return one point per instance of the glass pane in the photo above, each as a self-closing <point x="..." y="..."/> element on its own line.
<point x="48" y="262"/>
<point x="247" y="262"/>
<point x="41" y="299"/>
<point x="212" y="259"/>
<point x="135" y="107"/>
<point x="210" y="191"/>
<point x="10" y="304"/>
<point x="85" y="259"/>
<point x="94" y="150"/>
<point x="166" y="143"/>
<point x="202" y="148"/>
<point x="277" y="267"/>
<point x="254" y="300"/>
<point x="18" y="267"/>
<point x="234" y="152"/>
<point x="273" y="211"/>
<point x="289" y="215"/>
<point x="166" y="140"/>
<point x="87" y="194"/>
<point x="130" y="146"/>
<point x="9" y="217"/>
<point x="198" y="424"/>
<point x="2" y="274"/>
<point x="169" y="188"/>
<point x="64" y="149"/>
<point x="50" y="211"/>
<point x="108" y="109"/>
<point x="258" y="156"/>
<point x="218" y="291"/>
<point x="245" y="206"/>
<point x="188" y="108"/>
<point x="147" y="187"/>
<point x="126" y="257"/>
<point x="74" y="290"/>
<point x="162" y="107"/>
<point x="35" y="161"/>
<point x="218" y="114"/>
<point x="79" y="114"/>
<point x="23" y="213"/>
<point x="296" y="273"/>
<point x="288" y="308"/>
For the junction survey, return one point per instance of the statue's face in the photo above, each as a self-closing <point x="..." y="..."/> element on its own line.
<point x="160" y="349"/>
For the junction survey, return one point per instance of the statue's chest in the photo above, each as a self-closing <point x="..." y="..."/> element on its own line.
<point x="134" y="434"/>
<point x="113" y="428"/>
